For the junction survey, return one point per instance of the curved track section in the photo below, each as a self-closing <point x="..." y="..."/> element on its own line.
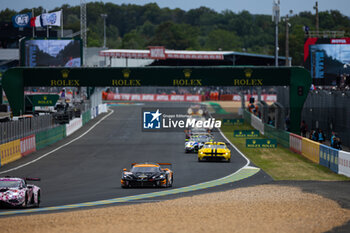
<point x="89" y="169"/>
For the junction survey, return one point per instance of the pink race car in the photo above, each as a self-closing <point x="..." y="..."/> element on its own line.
<point x="15" y="192"/>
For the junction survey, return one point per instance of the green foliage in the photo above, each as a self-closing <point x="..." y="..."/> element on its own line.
<point x="132" y="26"/>
<point x="223" y="40"/>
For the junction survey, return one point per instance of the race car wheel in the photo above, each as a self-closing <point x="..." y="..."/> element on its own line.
<point x="229" y="160"/>
<point x="25" y="203"/>
<point x="32" y="201"/>
<point x="38" y="203"/>
<point x="167" y="183"/>
<point x="172" y="181"/>
<point x="199" y="160"/>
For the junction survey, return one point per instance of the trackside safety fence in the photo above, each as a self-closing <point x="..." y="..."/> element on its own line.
<point x="12" y="130"/>
<point x="336" y="160"/>
<point x="33" y="141"/>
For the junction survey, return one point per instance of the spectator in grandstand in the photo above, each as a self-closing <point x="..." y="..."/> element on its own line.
<point x="314" y="136"/>
<point x="63" y="93"/>
<point x="321" y="137"/>
<point x="303" y="129"/>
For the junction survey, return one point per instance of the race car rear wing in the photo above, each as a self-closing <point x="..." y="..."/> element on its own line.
<point x="25" y="178"/>
<point x="161" y="164"/>
<point x="31" y="179"/>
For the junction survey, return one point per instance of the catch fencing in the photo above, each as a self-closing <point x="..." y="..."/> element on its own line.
<point x="21" y="128"/>
<point x="25" y="136"/>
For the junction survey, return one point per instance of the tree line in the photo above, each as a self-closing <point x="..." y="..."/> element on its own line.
<point x="132" y="26"/>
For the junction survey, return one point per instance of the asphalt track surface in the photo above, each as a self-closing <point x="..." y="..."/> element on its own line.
<point x="89" y="169"/>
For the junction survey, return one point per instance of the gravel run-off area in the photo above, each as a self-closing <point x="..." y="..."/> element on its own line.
<point x="264" y="208"/>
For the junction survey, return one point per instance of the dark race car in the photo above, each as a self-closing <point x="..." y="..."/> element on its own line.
<point x="147" y="175"/>
<point x="15" y="192"/>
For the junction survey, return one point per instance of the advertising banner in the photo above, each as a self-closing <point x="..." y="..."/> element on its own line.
<point x="261" y="143"/>
<point x="10" y="151"/>
<point x="311" y="150"/>
<point x="344" y="163"/>
<point x="234" y="122"/>
<point x="295" y="143"/>
<point x="73" y="126"/>
<point x="28" y="145"/>
<point x="154" y="97"/>
<point x="246" y="133"/>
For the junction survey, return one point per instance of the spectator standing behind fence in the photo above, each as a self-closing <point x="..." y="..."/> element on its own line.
<point x="336" y="142"/>
<point x="321" y="137"/>
<point x="303" y="128"/>
<point x="339" y="147"/>
<point x="333" y="137"/>
<point x="314" y="136"/>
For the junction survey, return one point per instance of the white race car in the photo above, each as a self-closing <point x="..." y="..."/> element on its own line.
<point x="15" y="192"/>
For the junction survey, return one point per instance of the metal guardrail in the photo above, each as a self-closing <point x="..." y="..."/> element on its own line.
<point x="13" y="130"/>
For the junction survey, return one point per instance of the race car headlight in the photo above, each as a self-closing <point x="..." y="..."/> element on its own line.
<point x="161" y="176"/>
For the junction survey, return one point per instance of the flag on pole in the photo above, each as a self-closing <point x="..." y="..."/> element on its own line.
<point x="22" y="20"/>
<point x="36" y="21"/>
<point x="52" y="19"/>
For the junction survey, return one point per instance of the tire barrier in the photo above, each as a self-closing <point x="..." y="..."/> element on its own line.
<point x="10" y="151"/>
<point x="295" y="143"/>
<point x="28" y="145"/>
<point x="335" y="160"/>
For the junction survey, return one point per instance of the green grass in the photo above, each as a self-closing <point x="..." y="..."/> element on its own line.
<point x="280" y="163"/>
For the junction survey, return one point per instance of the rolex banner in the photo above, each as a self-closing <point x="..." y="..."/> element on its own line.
<point x="246" y="133"/>
<point x="52" y="19"/>
<point x="261" y="143"/>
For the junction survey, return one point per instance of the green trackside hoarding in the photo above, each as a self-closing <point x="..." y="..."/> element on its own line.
<point x="297" y="78"/>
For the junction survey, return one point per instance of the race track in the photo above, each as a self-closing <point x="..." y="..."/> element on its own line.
<point x="89" y="169"/>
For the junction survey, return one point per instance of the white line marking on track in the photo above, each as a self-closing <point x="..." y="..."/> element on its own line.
<point x="54" y="150"/>
<point x="248" y="161"/>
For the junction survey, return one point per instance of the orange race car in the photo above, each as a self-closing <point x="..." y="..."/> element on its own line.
<point x="147" y="175"/>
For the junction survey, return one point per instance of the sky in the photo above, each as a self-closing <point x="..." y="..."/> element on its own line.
<point x="253" y="6"/>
